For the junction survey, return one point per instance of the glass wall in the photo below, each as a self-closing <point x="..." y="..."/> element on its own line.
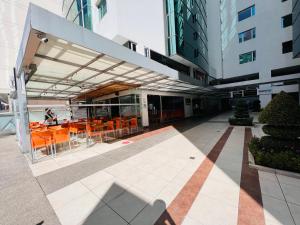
<point x="187" y="30"/>
<point x="79" y="12"/>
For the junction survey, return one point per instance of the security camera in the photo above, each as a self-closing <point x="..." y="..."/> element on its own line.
<point x="43" y="37"/>
<point x="44" y="40"/>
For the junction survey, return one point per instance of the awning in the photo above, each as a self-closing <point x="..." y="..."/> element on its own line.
<point x="70" y="61"/>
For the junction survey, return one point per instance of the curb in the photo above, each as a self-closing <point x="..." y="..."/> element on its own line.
<point x="269" y="169"/>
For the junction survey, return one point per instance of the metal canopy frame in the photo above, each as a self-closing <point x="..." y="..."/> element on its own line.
<point x="75" y="60"/>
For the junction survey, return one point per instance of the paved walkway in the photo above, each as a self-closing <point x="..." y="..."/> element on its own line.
<point x="193" y="174"/>
<point x="22" y="201"/>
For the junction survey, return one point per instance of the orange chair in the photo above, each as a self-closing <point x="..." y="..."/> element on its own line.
<point x="99" y="122"/>
<point x="125" y="127"/>
<point x="133" y="125"/>
<point x="109" y="130"/>
<point x="77" y="129"/>
<point x="93" y="131"/>
<point x="118" y="128"/>
<point x="61" y="136"/>
<point x="41" y="139"/>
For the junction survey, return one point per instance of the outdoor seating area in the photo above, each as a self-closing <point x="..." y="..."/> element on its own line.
<point x="47" y="139"/>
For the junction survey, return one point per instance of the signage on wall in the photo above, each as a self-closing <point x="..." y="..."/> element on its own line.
<point x="264" y="91"/>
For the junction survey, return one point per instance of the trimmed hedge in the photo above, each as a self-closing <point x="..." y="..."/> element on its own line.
<point x="283" y="132"/>
<point x="241" y="115"/>
<point x="270" y="144"/>
<point x="283" y="110"/>
<point x="283" y="160"/>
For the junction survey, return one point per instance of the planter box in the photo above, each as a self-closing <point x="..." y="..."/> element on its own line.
<point x="269" y="169"/>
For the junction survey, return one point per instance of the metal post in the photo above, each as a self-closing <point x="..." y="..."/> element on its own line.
<point x="161" y="114"/>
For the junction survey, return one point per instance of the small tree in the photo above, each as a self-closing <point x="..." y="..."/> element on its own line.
<point x="282" y="119"/>
<point x="241" y="114"/>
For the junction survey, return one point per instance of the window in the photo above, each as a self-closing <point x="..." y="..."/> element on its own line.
<point x="286" y="21"/>
<point x="195" y="18"/>
<point x="246" y="13"/>
<point x="196" y="35"/>
<point x="147" y="52"/>
<point x="248" y="57"/>
<point x="131" y="45"/>
<point x="102" y="8"/>
<point x="287" y="47"/>
<point x="196" y="53"/>
<point x="247" y="35"/>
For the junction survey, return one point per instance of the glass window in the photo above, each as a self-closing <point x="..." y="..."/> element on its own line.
<point x="287" y="47"/>
<point x="248" y="57"/>
<point x="102" y="8"/>
<point x="247" y="35"/>
<point x="246" y="13"/>
<point x="286" y="21"/>
<point x="79" y="12"/>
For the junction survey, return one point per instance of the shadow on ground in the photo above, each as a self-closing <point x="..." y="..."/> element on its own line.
<point x="119" y="206"/>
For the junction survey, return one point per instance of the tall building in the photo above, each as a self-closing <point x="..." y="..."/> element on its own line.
<point x="296" y="27"/>
<point x="12" y="20"/>
<point x="173" y="32"/>
<point x="241" y="48"/>
<point x="257" y="45"/>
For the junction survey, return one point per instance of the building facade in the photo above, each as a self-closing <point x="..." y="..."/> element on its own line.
<point x="257" y="45"/>
<point x="171" y="32"/>
<point x="296" y="27"/>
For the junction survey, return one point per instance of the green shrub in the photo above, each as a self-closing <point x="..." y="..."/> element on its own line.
<point x="241" y="109"/>
<point x="283" y="110"/>
<point x="241" y="114"/>
<point x="284" y="160"/>
<point x="283" y="132"/>
<point x="270" y="144"/>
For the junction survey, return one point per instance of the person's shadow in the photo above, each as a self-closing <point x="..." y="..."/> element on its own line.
<point x="119" y="206"/>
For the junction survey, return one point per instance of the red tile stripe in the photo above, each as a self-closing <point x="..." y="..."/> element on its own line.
<point x="250" y="202"/>
<point x="150" y="134"/>
<point x="180" y="206"/>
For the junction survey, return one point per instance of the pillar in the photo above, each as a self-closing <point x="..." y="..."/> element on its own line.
<point x="23" y="126"/>
<point x="144" y="109"/>
<point x="265" y="94"/>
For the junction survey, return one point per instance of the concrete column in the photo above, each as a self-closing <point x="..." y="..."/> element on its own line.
<point x="144" y="109"/>
<point x="23" y="126"/>
<point x="265" y="94"/>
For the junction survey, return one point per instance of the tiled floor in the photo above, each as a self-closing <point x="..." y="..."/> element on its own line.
<point x="138" y="182"/>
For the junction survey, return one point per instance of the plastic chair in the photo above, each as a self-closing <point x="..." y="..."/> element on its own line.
<point x="109" y="130"/>
<point x="93" y="131"/>
<point x="61" y="136"/>
<point x="41" y="139"/>
<point x="133" y="124"/>
<point x="125" y="127"/>
<point x="77" y="129"/>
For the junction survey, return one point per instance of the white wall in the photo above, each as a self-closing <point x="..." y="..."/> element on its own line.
<point x="140" y="21"/>
<point x="12" y="19"/>
<point x="268" y="41"/>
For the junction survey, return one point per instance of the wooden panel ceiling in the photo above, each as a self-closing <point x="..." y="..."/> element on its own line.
<point x="106" y="90"/>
